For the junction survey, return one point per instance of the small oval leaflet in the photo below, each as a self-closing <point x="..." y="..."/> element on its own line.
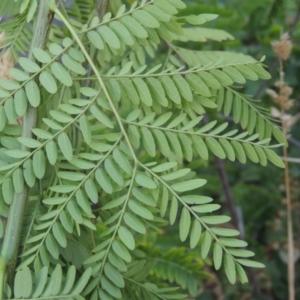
<point x="140" y="210"/>
<point x="188" y="185"/>
<point x="41" y="55"/>
<point x="65" y="146"/>
<point x="207" y="208"/>
<point x="126" y="237"/>
<point x="28" y="65"/>
<point x="61" y="73"/>
<point x="114" y="275"/>
<point x="121" y="251"/>
<point x="134" y="223"/>
<point x="33" y="93"/>
<point x="145" y="181"/>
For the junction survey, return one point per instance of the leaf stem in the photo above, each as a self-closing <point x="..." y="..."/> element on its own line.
<point x="214" y="236"/>
<point x="144" y="287"/>
<point x="201" y="134"/>
<point x="98" y="76"/>
<point x="120" y="219"/>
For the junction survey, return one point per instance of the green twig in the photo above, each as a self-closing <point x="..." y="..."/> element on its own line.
<point x="99" y="78"/>
<point x="15" y="218"/>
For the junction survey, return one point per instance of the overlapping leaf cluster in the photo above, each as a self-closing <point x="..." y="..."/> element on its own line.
<point x="100" y="107"/>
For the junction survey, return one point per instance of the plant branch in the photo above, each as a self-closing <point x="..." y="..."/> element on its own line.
<point x="227" y="191"/>
<point x="235" y="217"/>
<point x="290" y="245"/>
<point x="201" y="134"/>
<point x="15" y="218"/>
<point x="233" y="212"/>
<point x="291" y="267"/>
<point x="291" y="159"/>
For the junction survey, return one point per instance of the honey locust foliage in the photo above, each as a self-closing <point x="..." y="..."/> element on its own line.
<point x="82" y="115"/>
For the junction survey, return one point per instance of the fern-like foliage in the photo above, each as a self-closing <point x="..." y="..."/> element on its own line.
<point x="176" y="266"/>
<point x="18" y="30"/>
<point x="104" y="112"/>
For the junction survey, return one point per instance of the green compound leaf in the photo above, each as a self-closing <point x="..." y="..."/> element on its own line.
<point x="107" y="104"/>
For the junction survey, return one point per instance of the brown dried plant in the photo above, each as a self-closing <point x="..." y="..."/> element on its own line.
<point x="6" y="60"/>
<point x="282" y="49"/>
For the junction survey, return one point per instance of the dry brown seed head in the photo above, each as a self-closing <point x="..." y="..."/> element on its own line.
<point x="272" y="94"/>
<point x="6" y="62"/>
<point x="283" y="47"/>
<point x="2" y="38"/>
<point x="286" y="90"/>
